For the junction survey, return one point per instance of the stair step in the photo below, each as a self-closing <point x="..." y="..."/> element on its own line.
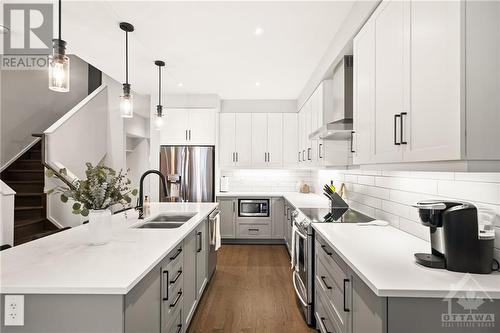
<point x="28" y="194"/>
<point x="23" y="186"/>
<point x="25" y="171"/>
<point x="27" y="208"/>
<point x="29" y="199"/>
<point x="27" y="164"/>
<point x="27" y="222"/>
<point x="19" y="174"/>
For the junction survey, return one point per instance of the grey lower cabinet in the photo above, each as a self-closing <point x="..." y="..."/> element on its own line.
<point x="288" y="225"/>
<point x="278" y="218"/>
<point x="196" y="247"/>
<point x="227" y="207"/>
<point x="154" y="304"/>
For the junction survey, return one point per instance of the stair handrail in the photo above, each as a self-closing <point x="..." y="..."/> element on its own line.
<point x="47" y="165"/>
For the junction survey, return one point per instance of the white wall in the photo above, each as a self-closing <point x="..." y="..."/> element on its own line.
<point x="388" y="195"/>
<point x="28" y="106"/>
<point x="259" y="180"/>
<point x="6" y="214"/>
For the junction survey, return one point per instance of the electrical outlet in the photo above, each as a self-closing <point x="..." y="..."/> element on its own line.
<point x="14" y="310"/>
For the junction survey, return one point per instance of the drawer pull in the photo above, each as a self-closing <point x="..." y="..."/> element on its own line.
<point x="179" y="328"/>
<point x="326" y="251"/>
<point x="165" y="287"/>
<point x="179" y="294"/>
<point x="174" y="280"/>
<point x="177" y="254"/>
<point x="323" y="324"/>
<point x="253" y="229"/>
<point x="323" y="278"/>
<point x="345" y="308"/>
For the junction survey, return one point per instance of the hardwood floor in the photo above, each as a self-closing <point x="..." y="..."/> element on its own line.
<point x="251" y="292"/>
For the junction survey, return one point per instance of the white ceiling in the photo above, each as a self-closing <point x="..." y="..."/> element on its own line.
<point x="210" y="47"/>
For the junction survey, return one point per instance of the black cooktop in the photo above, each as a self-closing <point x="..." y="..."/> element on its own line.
<point x="336" y="215"/>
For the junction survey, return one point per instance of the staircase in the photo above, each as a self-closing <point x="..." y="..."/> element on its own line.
<point x="26" y="177"/>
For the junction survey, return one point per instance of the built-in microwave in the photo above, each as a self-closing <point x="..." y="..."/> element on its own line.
<point x="253" y="207"/>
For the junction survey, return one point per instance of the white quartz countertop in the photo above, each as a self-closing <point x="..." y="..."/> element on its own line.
<point x="297" y="199"/>
<point x="383" y="258"/>
<point x="65" y="263"/>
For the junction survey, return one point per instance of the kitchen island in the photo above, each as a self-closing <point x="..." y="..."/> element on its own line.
<point x="72" y="286"/>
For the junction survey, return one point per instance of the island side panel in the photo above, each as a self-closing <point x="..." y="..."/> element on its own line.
<point x="478" y="314"/>
<point x="69" y="314"/>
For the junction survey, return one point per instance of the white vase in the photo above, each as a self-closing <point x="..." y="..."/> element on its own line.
<point x="99" y="226"/>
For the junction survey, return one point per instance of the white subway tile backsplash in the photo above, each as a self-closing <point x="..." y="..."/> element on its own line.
<point x="258" y="180"/>
<point x="365" y="200"/>
<point x="366" y="180"/>
<point x="428" y="186"/>
<point x="391" y="218"/>
<point x="351" y="178"/>
<point x="407" y="198"/>
<point x="415" y="228"/>
<point x="486" y="177"/>
<point x="396" y="208"/>
<point x="474" y="191"/>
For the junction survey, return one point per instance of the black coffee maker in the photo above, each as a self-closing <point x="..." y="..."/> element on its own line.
<point x="458" y="242"/>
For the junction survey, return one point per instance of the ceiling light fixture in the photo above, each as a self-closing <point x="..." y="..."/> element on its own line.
<point x="126" y="100"/>
<point x="257" y="84"/>
<point x="258" y="31"/>
<point x="59" y="63"/>
<point x="180" y="84"/>
<point x="159" y="108"/>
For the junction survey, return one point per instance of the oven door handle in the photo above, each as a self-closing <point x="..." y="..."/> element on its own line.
<point x="304" y="303"/>
<point x="301" y="235"/>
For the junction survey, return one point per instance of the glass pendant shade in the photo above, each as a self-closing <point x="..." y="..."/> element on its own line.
<point x="59" y="68"/>
<point x="158" y="123"/>
<point x="126" y="106"/>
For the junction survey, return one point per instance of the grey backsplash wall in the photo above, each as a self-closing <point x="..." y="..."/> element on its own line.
<point x="388" y="195"/>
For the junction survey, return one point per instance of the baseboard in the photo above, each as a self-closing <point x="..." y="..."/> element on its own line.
<point x="247" y="241"/>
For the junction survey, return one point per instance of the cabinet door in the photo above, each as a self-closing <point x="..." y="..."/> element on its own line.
<point x="227" y="137"/>
<point x="290" y="139"/>
<point x="368" y="310"/>
<point x="189" y="278"/>
<point x="433" y="126"/>
<point x="307" y="131"/>
<point x="175" y="130"/>
<point x="202" y="127"/>
<point x="278" y="218"/>
<point x="364" y="97"/>
<point x="243" y="139"/>
<point x="259" y="139"/>
<point x="143" y="304"/>
<point x="302" y="129"/>
<point x="227" y="217"/>
<point x="201" y="258"/>
<point x="391" y="80"/>
<point x="274" y="139"/>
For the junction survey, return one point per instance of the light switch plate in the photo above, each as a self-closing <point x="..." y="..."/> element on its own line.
<point x="14" y="310"/>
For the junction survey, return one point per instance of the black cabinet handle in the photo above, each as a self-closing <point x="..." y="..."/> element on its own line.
<point x="345" y="308"/>
<point x="165" y="288"/>
<point x="303" y="155"/>
<point x="320" y="150"/>
<point x="253" y="229"/>
<point x="174" y="280"/>
<point x="323" y="323"/>
<point x="179" y="328"/>
<point x="352" y="142"/>
<point x="326" y="251"/>
<point x="402" y="126"/>
<point x="309" y="154"/>
<point x="179" y="294"/>
<point x="323" y="278"/>
<point x="396" y="116"/>
<point x="299" y="156"/>
<point x="177" y="254"/>
<point x="200" y="246"/>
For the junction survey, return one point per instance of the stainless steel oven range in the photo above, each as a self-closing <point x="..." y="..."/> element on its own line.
<point x="303" y="273"/>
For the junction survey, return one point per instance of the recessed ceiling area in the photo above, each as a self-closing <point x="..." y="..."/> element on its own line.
<point x="238" y="50"/>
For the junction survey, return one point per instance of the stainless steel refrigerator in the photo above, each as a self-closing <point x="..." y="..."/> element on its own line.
<point x="189" y="171"/>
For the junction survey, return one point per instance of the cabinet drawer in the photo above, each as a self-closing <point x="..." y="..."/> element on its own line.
<point x="172" y="303"/>
<point x="175" y="323"/>
<point x="324" y="319"/>
<point x="336" y="296"/>
<point x="174" y="257"/>
<point x="253" y="231"/>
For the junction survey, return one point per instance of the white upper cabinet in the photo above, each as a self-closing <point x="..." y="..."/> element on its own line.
<point x="189" y="127"/>
<point x="235" y="141"/>
<point x="259" y="139"/>
<point x="275" y="139"/>
<point x="426" y="83"/>
<point x="290" y="140"/>
<point x="363" y="94"/>
<point x="227" y="139"/>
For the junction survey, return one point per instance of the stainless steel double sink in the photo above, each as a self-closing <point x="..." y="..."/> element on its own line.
<point x="167" y="221"/>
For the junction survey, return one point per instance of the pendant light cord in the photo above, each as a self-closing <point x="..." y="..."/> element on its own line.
<point x="159" y="85"/>
<point x="126" y="57"/>
<point x="60" y="10"/>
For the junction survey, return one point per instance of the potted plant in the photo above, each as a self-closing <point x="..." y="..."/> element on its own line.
<point x="93" y="197"/>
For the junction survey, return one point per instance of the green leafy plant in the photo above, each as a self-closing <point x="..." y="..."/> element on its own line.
<point x="102" y="188"/>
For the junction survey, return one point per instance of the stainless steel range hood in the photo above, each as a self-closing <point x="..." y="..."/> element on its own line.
<point x="337" y="130"/>
<point x="341" y="127"/>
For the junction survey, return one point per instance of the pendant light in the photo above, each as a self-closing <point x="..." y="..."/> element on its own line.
<point x="158" y="124"/>
<point x="126" y="101"/>
<point x="59" y="63"/>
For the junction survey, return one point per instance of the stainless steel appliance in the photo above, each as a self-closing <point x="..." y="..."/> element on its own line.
<point x="458" y="242"/>
<point x="253" y="207"/>
<point x="212" y="254"/>
<point x="189" y="171"/>
<point x="303" y="274"/>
